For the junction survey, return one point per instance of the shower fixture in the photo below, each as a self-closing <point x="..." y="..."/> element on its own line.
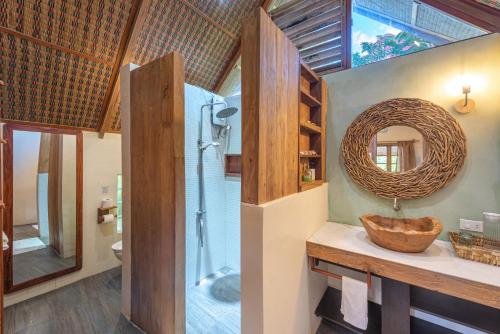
<point x="223" y="130"/>
<point x="226" y="112"/>
<point x="203" y="147"/>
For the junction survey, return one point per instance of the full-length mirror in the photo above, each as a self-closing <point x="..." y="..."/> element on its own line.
<point x="43" y="170"/>
<point x="397" y="149"/>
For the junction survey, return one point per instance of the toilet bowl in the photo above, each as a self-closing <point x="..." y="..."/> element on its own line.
<point x="117" y="250"/>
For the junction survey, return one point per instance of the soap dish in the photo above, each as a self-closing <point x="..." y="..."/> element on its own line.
<point x="476" y="249"/>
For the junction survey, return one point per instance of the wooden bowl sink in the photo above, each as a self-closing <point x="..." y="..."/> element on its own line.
<point x="403" y="235"/>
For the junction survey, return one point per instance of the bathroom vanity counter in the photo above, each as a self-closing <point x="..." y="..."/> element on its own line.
<point x="437" y="269"/>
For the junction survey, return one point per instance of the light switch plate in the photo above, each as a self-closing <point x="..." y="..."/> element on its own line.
<point x="471" y="225"/>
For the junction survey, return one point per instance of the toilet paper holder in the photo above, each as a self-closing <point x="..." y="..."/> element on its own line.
<point x="101" y="212"/>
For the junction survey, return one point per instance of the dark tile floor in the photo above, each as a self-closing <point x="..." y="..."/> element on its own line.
<point x="38" y="263"/>
<point x="90" y="306"/>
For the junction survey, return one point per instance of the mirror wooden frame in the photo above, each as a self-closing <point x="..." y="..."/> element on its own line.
<point x="445" y="140"/>
<point x="8" y="197"/>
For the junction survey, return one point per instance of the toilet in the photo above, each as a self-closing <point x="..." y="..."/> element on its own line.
<point x="117" y="249"/>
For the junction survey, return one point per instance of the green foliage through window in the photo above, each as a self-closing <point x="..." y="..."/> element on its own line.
<point x="389" y="46"/>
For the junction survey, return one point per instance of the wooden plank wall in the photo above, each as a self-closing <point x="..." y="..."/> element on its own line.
<point x="270" y="101"/>
<point x="158" y="199"/>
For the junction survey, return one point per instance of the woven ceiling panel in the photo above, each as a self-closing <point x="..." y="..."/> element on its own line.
<point x="48" y="86"/>
<point x="55" y="85"/>
<point x="207" y="49"/>
<point x="228" y="13"/>
<point x="172" y="26"/>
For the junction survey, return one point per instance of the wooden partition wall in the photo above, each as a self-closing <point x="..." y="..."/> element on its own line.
<point x="158" y="199"/>
<point x="270" y="102"/>
<point x="284" y="115"/>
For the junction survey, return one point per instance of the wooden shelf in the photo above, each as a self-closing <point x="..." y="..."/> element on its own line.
<point x="312" y="156"/>
<point x="310" y="127"/>
<point x="310" y="185"/>
<point x="107" y="209"/>
<point x="309" y="100"/>
<point x="308" y="73"/>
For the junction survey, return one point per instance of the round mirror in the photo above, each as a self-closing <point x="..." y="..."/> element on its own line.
<point x="397" y="149"/>
<point x="437" y="140"/>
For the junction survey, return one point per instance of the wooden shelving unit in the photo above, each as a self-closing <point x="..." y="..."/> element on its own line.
<point x="312" y="127"/>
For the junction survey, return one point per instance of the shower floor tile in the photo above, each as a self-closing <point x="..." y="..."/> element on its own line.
<point x="213" y="306"/>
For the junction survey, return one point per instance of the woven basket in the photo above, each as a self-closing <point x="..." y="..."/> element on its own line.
<point x="477" y="250"/>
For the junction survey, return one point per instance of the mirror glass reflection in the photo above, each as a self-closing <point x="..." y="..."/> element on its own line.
<point x="397" y="149"/>
<point x="44" y="204"/>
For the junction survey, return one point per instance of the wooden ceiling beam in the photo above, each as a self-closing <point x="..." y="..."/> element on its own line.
<point x="53" y="46"/>
<point x="236" y="55"/>
<point x="229" y="68"/>
<point x="208" y="19"/>
<point x="135" y="23"/>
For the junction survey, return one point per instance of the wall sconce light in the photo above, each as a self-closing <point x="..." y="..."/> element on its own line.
<point x="467" y="104"/>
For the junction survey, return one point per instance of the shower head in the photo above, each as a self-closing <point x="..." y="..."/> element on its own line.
<point x="226" y="112"/>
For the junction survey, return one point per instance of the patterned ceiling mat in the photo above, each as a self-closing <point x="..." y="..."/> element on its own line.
<point x="48" y="86"/>
<point x="91" y="27"/>
<point x="61" y="76"/>
<point x="491" y="3"/>
<point x="66" y="84"/>
<point x="227" y="13"/>
<point x="172" y="26"/>
<point x="207" y="49"/>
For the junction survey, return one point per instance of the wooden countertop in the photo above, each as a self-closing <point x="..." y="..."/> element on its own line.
<point x="437" y="269"/>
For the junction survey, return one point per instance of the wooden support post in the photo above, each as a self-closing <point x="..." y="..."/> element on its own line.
<point x="395" y="307"/>
<point x="158" y="196"/>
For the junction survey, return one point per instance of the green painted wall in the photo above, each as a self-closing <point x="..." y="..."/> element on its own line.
<point x="426" y="75"/>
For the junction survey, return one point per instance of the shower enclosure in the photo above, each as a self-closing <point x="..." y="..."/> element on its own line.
<point x="212" y="130"/>
<point x="221" y="135"/>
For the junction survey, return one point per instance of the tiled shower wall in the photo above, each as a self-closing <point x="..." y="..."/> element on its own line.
<point x="222" y="201"/>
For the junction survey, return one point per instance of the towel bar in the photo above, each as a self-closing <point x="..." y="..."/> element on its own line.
<point x="312" y="263"/>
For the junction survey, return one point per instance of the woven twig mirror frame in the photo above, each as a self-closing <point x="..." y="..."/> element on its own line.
<point x="445" y="140"/>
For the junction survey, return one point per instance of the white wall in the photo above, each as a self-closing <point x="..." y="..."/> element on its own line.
<point x="126" y="188"/>
<point x="25" y="158"/>
<point x="278" y="291"/>
<point x="101" y="164"/>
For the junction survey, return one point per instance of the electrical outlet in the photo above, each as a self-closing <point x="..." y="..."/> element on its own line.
<point x="471" y="225"/>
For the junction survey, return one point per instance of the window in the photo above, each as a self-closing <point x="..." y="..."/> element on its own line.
<point x="383" y="29"/>
<point x="119" y="203"/>
<point x="387" y="157"/>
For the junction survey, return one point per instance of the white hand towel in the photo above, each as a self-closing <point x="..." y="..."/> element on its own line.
<point x="354" y="304"/>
